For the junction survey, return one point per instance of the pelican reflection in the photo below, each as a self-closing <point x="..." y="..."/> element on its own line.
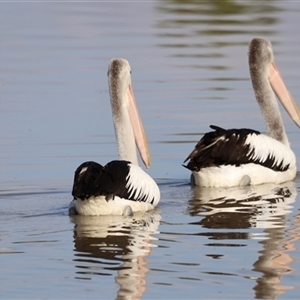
<point x="259" y="205"/>
<point x="266" y="208"/>
<point x="108" y="245"/>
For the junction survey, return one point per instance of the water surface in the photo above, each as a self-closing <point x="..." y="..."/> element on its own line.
<point x="189" y="70"/>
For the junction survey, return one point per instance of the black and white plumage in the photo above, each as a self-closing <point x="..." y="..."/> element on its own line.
<point x="237" y="157"/>
<point x="120" y="187"/>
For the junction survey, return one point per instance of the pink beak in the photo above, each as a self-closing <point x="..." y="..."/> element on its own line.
<point x="138" y="129"/>
<point x="283" y="94"/>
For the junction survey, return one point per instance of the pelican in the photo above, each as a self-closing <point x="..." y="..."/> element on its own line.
<point x="239" y="157"/>
<point x="120" y="187"/>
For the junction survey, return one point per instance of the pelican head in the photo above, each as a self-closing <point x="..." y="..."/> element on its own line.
<point x="127" y="121"/>
<point x="262" y="64"/>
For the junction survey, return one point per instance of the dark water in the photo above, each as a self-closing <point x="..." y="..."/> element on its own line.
<point x="189" y="63"/>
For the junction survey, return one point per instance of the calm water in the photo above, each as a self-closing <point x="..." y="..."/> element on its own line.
<point x="189" y="63"/>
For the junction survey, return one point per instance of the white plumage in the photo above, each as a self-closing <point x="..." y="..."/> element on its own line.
<point x="141" y="185"/>
<point x="263" y="147"/>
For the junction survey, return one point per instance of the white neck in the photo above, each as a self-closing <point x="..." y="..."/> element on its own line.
<point x="268" y="104"/>
<point x="123" y="129"/>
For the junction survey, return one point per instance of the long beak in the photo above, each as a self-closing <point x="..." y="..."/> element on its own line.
<point x="283" y="94"/>
<point x="138" y="128"/>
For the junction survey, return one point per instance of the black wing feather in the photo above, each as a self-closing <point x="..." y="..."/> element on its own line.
<point x="108" y="181"/>
<point x="228" y="147"/>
